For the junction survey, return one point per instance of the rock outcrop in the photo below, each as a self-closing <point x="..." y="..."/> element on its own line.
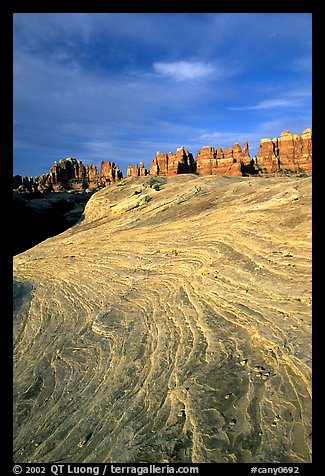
<point x="207" y="162"/>
<point x="109" y="173"/>
<point x="170" y="164"/>
<point x="159" y="164"/>
<point x="181" y="162"/>
<point x="290" y="153"/>
<point x="136" y="170"/>
<point x="92" y="176"/>
<point x="69" y="174"/>
<point x="230" y="161"/>
<point x="169" y="326"/>
<point x="267" y="158"/>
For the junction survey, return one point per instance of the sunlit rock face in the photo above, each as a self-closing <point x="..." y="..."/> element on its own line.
<point x="230" y="161"/>
<point x="290" y="153"/>
<point x="109" y="173"/>
<point x="171" y="324"/>
<point x="136" y="170"/>
<point x="182" y="162"/>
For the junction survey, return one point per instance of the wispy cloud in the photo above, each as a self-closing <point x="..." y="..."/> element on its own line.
<point x="268" y="104"/>
<point x="184" y="70"/>
<point x="93" y="87"/>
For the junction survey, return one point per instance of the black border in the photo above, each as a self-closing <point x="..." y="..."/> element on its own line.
<point x="8" y="9"/>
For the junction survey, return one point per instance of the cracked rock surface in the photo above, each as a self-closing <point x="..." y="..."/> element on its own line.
<point x="170" y="324"/>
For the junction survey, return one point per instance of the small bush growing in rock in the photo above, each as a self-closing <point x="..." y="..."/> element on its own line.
<point x="154" y="183"/>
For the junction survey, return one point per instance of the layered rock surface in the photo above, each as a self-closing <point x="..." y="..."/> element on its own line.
<point x="69" y="174"/>
<point x="136" y="170"/>
<point x="289" y="153"/>
<point x="170" y="164"/>
<point x="169" y="326"/>
<point x="231" y="161"/>
<point x="109" y="172"/>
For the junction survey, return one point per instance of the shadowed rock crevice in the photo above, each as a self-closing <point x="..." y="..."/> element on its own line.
<point x="36" y="218"/>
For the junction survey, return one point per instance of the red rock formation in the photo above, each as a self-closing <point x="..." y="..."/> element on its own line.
<point x="206" y="160"/>
<point x="54" y="173"/>
<point x="91" y="173"/>
<point x="159" y="164"/>
<point x="80" y="171"/>
<point x="132" y="171"/>
<point x="142" y="170"/>
<point x="66" y="169"/>
<point x="136" y="171"/>
<point x="63" y="175"/>
<point x="228" y="167"/>
<point x="222" y="162"/>
<point x="295" y="151"/>
<point x="306" y="151"/>
<point x="290" y="153"/>
<point x="228" y="153"/>
<point x="219" y="153"/>
<point x="246" y="159"/>
<point x="287" y="151"/>
<point x="181" y="162"/>
<point x="68" y="174"/>
<point x="109" y="172"/>
<point x="267" y="157"/>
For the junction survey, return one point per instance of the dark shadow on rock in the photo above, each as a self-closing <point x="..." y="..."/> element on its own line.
<point x="36" y="219"/>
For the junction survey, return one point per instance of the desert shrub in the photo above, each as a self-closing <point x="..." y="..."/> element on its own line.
<point x="154" y="183"/>
<point x="144" y="199"/>
<point x="156" y="186"/>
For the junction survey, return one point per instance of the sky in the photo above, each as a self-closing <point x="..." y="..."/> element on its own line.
<point x="121" y="86"/>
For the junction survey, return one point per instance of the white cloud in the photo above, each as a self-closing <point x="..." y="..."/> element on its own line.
<point x="268" y="104"/>
<point x="92" y="86"/>
<point x="184" y="70"/>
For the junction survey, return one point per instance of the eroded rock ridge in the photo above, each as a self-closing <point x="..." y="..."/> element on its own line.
<point x="288" y="154"/>
<point x="70" y="174"/>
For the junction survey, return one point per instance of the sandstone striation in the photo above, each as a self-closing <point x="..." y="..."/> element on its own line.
<point x="169" y="326"/>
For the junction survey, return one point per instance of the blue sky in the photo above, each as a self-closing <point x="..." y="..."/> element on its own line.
<point x="120" y="87"/>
